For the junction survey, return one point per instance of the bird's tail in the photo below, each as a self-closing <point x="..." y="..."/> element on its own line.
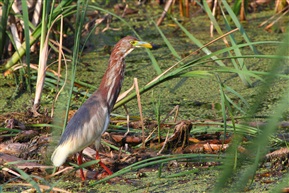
<point x="60" y="155"/>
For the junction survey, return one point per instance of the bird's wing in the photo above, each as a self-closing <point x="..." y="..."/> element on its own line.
<point x="83" y="129"/>
<point x="88" y="123"/>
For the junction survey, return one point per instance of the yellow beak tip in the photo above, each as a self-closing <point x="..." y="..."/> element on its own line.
<point x="143" y="44"/>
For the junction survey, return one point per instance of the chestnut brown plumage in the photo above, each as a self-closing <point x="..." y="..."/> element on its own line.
<point x="92" y="118"/>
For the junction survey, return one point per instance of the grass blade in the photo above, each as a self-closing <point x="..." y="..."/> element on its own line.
<point x="27" y="39"/>
<point x="6" y="6"/>
<point x="28" y="179"/>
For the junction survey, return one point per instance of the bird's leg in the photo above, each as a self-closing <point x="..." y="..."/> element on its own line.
<point x="97" y="157"/>
<point x="79" y="162"/>
<point x="127" y="121"/>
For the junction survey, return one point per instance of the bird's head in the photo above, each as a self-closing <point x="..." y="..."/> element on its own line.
<point x="128" y="43"/>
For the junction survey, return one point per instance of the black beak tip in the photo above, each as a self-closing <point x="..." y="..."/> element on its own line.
<point x="155" y="47"/>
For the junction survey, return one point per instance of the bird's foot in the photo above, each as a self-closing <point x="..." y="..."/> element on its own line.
<point x="107" y="170"/>
<point x="79" y="162"/>
<point x="83" y="178"/>
<point x="97" y="157"/>
<point x="101" y="175"/>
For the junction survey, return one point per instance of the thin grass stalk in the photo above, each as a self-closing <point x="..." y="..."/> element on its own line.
<point x="42" y="68"/>
<point x="140" y="112"/>
<point x="226" y="107"/>
<point x="238" y="24"/>
<point x="43" y="55"/>
<point x="214" y="15"/>
<point x="174" y="53"/>
<point x="230" y="101"/>
<point x="156" y="161"/>
<point x="44" y="125"/>
<point x="214" y="21"/>
<point x="19" y="52"/>
<point x="10" y="130"/>
<point x="28" y="179"/>
<point x="80" y="17"/>
<point x="115" y="147"/>
<point x="231" y="161"/>
<point x="4" y="20"/>
<point x="284" y="12"/>
<point x="169" y="45"/>
<point x="157" y="108"/>
<point x="166" y="9"/>
<point x="15" y="36"/>
<point x="60" y="53"/>
<point x="198" y="43"/>
<point x="36" y="14"/>
<point x="195" y="170"/>
<point x="64" y="8"/>
<point x="51" y="17"/>
<point x="164" y="144"/>
<point x="27" y="39"/>
<point x="204" y="46"/>
<point x="259" y="145"/>
<point x="245" y="79"/>
<point x="239" y="62"/>
<point x="204" y="59"/>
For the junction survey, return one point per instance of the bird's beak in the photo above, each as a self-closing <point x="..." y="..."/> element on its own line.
<point x="142" y="44"/>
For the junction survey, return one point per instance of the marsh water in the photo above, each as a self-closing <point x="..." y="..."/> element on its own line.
<point x="198" y="98"/>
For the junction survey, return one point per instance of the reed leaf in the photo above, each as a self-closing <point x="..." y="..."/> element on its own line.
<point x="27" y="39"/>
<point x="63" y="7"/>
<point x="6" y="6"/>
<point x="43" y="54"/>
<point x="169" y="45"/>
<point x="238" y="25"/>
<point x="259" y="145"/>
<point x="159" y="160"/>
<point x="80" y="16"/>
<point x="29" y="179"/>
<point x="198" y="43"/>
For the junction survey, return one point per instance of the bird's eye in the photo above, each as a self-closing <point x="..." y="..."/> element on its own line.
<point x="132" y="42"/>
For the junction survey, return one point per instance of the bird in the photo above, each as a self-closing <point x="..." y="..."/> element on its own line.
<point x="92" y="118"/>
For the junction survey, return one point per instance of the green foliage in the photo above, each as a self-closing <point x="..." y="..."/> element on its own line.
<point x="64" y="7"/>
<point x="156" y="161"/>
<point x="4" y="20"/>
<point x="27" y="39"/>
<point x="259" y="146"/>
<point x="80" y="17"/>
<point x="237" y="6"/>
<point x="157" y="109"/>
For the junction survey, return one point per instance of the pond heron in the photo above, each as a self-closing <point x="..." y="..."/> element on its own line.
<point x="92" y="118"/>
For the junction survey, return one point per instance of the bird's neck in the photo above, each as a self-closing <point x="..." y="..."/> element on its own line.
<point x="111" y="82"/>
